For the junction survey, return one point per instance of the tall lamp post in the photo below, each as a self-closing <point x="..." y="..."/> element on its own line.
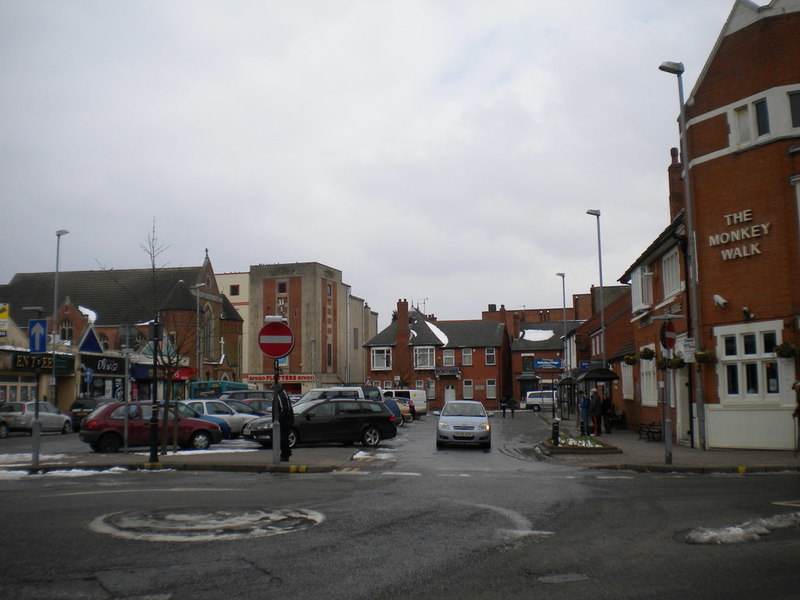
<point x="564" y="304"/>
<point x="36" y="425"/>
<point x="676" y="68"/>
<point x="596" y="213"/>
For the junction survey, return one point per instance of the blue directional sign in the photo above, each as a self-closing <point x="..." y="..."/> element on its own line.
<point x="37" y="335"/>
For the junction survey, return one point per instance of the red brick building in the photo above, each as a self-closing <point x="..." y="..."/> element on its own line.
<point x="448" y="359"/>
<point x="743" y="138"/>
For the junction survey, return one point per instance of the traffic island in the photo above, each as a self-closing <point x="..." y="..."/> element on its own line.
<point x="568" y="444"/>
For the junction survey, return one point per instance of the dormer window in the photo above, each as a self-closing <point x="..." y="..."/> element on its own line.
<point x="641" y="290"/>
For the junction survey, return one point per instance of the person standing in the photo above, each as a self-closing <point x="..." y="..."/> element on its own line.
<point x="583" y="411"/>
<point x="512" y="404"/>
<point x="607" y="408"/>
<point x="286" y="420"/>
<point x="595" y="410"/>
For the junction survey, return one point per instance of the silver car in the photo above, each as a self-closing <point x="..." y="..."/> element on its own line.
<point x="18" y="416"/>
<point x="463" y="422"/>
<point x="217" y="408"/>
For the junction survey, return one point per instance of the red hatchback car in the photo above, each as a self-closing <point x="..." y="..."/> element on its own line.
<point x="103" y="429"/>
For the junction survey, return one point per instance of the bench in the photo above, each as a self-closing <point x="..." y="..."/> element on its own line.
<point x="650" y="431"/>
<point x="618" y="420"/>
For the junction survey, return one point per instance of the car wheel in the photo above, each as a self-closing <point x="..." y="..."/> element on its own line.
<point x="200" y="441"/>
<point x="439" y="445"/>
<point x="536" y="408"/>
<point x="292" y="437"/>
<point x="67" y="428"/>
<point x="486" y="445"/>
<point x="371" y="437"/>
<point x="3" y="430"/>
<point x="266" y="444"/>
<point x="108" y="443"/>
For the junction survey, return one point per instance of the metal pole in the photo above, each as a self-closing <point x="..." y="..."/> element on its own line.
<point x="197" y="328"/>
<point x="156" y="327"/>
<point x="276" y="409"/>
<point x="564" y="350"/>
<point x="691" y="249"/>
<point x="668" y="411"/>
<point x="596" y="213"/>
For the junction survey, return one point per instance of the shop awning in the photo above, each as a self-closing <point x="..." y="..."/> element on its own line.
<point x="598" y="374"/>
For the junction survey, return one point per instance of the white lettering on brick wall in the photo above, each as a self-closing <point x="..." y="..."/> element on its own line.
<point x="744" y="231"/>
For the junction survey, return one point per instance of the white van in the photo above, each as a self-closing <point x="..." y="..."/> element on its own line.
<point x="540" y="399"/>
<point x="419" y="397"/>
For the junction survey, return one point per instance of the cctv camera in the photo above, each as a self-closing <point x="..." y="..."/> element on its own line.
<point x="719" y="300"/>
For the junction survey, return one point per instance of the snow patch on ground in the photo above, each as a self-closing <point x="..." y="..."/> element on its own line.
<point x="746" y="532"/>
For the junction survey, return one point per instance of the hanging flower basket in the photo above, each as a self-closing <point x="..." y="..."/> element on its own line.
<point x="647" y="354"/>
<point x="676" y="362"/>
<point x="661" y="363"/>
<point x="786" y="350"/>
<point x="631" y="359"/>
<point x="704" y="356"/>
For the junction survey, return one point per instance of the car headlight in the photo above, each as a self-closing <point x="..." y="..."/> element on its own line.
<point x="483" y="427"/>
<point x="443" y="425"/>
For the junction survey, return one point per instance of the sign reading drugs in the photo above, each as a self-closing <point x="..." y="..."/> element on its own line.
<point x="276" y="339"/>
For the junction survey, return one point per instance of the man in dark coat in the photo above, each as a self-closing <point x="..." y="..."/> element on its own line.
<point x="595" y="410"/>
<point x="286" y="420"/>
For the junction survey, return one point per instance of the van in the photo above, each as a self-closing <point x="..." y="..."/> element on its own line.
<point x="359" y="392"/>
<point x="419" y="397"/>
<point x="540" y="399"/>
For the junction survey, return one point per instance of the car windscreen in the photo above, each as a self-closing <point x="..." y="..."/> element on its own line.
<point x="462" y="409"/>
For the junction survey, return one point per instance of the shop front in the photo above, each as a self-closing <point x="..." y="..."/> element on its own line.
<point x="102" y="376"/>
<point x="26" y="376"/>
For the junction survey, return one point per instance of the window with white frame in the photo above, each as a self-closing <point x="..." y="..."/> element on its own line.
<point x="424" y="357"/>
<point x="381" y="359"/>
<point x="491" y="389"/>
<point x="490" y="356"/>
<point x="449" y="358"/>
<point x="749" y="369"/>
<point x="641" y="289"/>
<point x="751" y="118"/>
<point x="647" y="377"/>
<point x="469" y="394"/>
<point x="627" y="381"/>
<point x="466" y="357"/>
<point x="671" y="268"/>
<point x="420" y="384"/>
<point x="794" y="108"/>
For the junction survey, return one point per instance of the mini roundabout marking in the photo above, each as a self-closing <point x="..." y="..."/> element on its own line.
<point x="201" y="525"/>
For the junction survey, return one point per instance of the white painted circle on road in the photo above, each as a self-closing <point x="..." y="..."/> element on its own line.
<point x="199" y="525"/>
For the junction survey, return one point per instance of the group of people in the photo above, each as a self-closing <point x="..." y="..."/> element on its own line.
<point x="595" y="412"/>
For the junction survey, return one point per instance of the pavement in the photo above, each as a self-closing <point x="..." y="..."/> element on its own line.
<point x="619" y="450"/>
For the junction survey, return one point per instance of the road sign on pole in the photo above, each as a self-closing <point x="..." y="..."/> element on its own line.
<point x="668" y="334"/>
<point x="276" y="339"/>
<point x="37" y="335"/>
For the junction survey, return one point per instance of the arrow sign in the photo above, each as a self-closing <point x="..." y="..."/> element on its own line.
<point x="276" y="339"/>
<point x="37" y="335"/>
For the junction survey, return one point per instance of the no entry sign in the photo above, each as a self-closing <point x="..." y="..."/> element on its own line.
<point x="276" y="339"/>
<point x="668" y="334"/>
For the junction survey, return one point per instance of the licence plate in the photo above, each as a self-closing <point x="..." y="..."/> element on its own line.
<point x="466" y="436"/>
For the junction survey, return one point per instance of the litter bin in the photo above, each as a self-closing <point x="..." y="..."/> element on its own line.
<point x="555" y="431"/>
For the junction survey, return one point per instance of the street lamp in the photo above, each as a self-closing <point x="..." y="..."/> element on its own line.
<point x="596" y="213"/>
<point x="36" y="425"/>
<point x="564" y="304"/>
<point x="196" y="289"/>
<point x="676" y="68"/>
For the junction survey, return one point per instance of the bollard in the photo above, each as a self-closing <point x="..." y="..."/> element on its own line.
<point x="555" y="432"/>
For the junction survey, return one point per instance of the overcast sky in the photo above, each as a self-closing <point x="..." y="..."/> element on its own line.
<point x="443" y="151"/>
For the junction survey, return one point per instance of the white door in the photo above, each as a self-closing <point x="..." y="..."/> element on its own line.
<point x="449" y="393"/>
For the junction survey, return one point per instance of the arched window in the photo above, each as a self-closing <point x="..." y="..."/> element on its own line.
<point x="208" y="331"/>
<point x="103" y="339"/>
<point x="65" y="331"/>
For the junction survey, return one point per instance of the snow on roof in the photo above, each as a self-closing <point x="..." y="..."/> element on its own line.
<point x="537" y="335"/>
<point x="88" y="313"/>
<point x="438" y="333"/>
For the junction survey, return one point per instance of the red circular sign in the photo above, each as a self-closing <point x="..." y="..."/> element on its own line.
<point x="668" y="334"/>
<point x="276" y="339"/>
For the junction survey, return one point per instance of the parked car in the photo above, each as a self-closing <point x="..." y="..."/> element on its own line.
<point x="249" y="408"/>
<point x="218" y="408"/>
<point x="365" y="392"/>
<point x="540" y="399"/>
<point x="463" y="422"/>
<point x="4" y="428"/>
<point x="18" y="416"/>
<point x="243" y="394"/>
<point x="104" y="428"/>
<point x="221" y="423"/>
<point x="400" y="410"/>
<point x="418" y="397"/>
<point x="84" y="406"/>
<point x="265" y="406"/>
<point x="331" y="420"/>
